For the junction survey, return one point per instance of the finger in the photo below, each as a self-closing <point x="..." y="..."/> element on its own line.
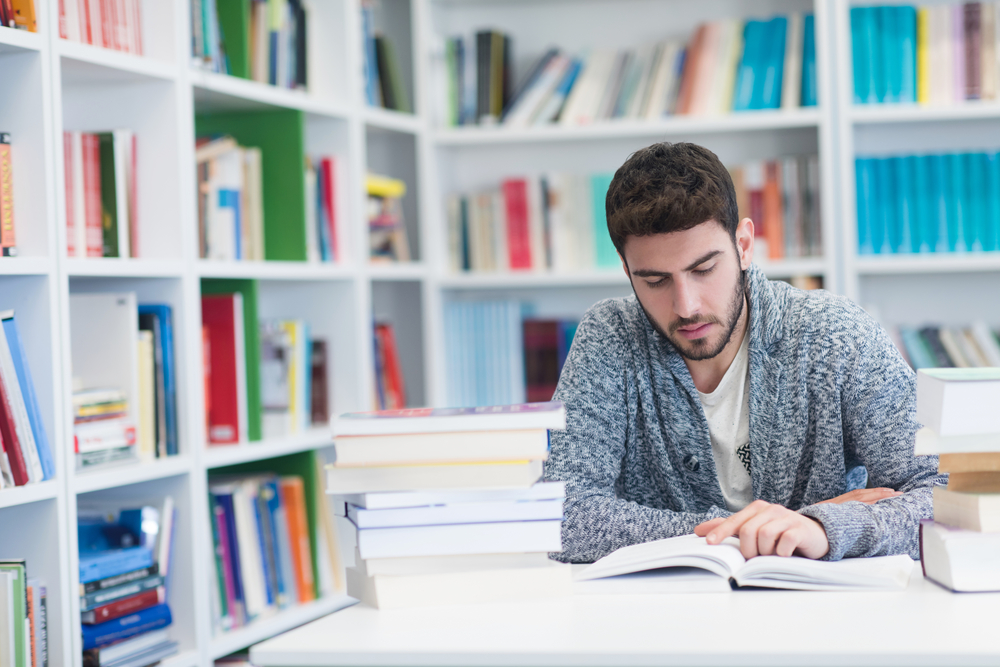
<point x="770" y="533"/>
<point x="731" y="525"/>
<point x="788" y="543"/>
<point x="749" y="530"/>
<point x="702" y="529"/>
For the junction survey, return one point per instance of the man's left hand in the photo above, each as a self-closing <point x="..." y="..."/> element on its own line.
<point x="765" y="529"/>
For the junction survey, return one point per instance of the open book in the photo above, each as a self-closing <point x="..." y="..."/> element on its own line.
<point x="693" y="565"/>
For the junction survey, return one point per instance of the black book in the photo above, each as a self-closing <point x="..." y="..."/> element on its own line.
<point x="384" y="78"/>
<point x="932" y="335"/>
<point x="119" y="579"/>
<point x="533" y="75"/>
<point x="459" y="75"/>
<point x="301" y="71"/>
<point x="507" y="76"/>
<point x="484" y="46"/>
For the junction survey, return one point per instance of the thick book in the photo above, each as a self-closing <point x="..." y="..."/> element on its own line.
<point x="960" y="560"/>
<point x="222" y="317"/>
<point x="410" y="565"/>
<point x="550" y="415"/>
<point x="491" y="474"/>
<point x="459" y="513"/>
<point x="125" y="649"/>
<point x="102" y="597"/>
<point x="472" y="538"/>
<point x="104" y="564"/>
<point x="540" y="491"/>
<point x="726" y="561"/>
<point x="457" y="447"/>
<point x="971" y="461"/>
<point x="971" y="511"/>
<point x="959" y="401"/>
<point x="146" y="620"/>
<point x="124" y="606"/>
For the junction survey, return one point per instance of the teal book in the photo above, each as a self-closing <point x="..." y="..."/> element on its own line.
<point x="607" y="255"/>
<point x="885" y="224"/>
<point x="865" y="174"/>
<point x="957" y="202"/>
<point x="770" y="66"/>
<point x="991" y="240"/>
<point x="889" y="59"/>
<point x="859" y="52"/>
<point x="752" y="41"/>
<point x="916" y="348"/>
<point x="810" y="86"/>
<point x="938" y="235"/>
<point x="978" y="195"/>
<point x="870" y="55"/>
<point x="926" y="220"/>
<point x="905" y="192"/>
<point x="906" y="29"/>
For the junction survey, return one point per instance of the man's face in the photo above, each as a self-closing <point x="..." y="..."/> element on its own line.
<point x="690" y="284"/>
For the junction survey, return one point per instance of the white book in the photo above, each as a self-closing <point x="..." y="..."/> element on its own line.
<point x="253" y="199"/>
<point x="7" y="620"/>
<point x="721" y="101"/>
<point x="495" y="221"/>
<point x="457" y="447"/>
<point x="661" y="581"/>
<point x="248" y="547"/>
<point x="79" y="198"/>
<point x="470" y="538"/>
<point x="551" y="415"/>
<point x="960" y="560"/>
<point x="959" y="401"/>
<point x="646" y="61"/>
<point x="422" y="590"/>
<point x="725" y="560"/>
<point x="96" y="36"/>
<point x="531" y="102"/>
<point x="585" y="98"/>
<point x="441" y="564"/>
<point x="968" y="347"/>
<point x="515" y="474"/>
<point x="971" y="511"/>
<point x="146" y="431"/>
<point x="127" y="647"/>
<point x="122" y="148"/>
<point x="929" y="442"/>
<point x="488" y="512"/>
<point x="663" y="77"/>
<point x="791" y="80"/>
<point x="540" y="491"/>
<point x="22" y="425"/>
<point x="341" y="208"/>
<point x="72" y="17"/>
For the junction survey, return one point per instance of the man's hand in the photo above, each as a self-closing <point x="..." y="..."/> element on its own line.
<point x="869" y="496"/>
<point x="765" y="530"/>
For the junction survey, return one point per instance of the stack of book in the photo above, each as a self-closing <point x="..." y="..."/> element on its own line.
<point x="23" y="616"/>
<point x="101" y="194"/>
<point x="125" y="555"/>
<point x="384" y="85"/>
<point x="936" y="54"/>
<point x="19" y="14"/>
<point x="948" y="347"/>
<point x="103" y="431"/>
<point x="928" y="203"/>
<point x="112" y="24"/>
<point x="445" y="506"/>
<point x="387" y="239"/>
<point x="230" y="200"/>
<point x="8" y="239"/>
<point x="957" y="407"/>
<point x="25" y="454"/>
<point x="726" y="65"/>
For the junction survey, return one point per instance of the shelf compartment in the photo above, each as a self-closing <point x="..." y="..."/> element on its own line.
<point x="113" y="476"/>
<point x="29" y="493"/>
<point x="217" y="456"/>
<point x="88" y="64"/>
<point x="217" y="93"/>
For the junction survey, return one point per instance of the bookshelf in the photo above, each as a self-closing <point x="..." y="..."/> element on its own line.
<point x="52" y="85"/>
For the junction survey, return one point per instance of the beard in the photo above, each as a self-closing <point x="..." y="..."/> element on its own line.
<point x="701" y="348"/>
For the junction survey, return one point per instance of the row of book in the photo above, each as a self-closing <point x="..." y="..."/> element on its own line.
<point x="25" y="451"/>
<point x="19" y="14"/>
<point x="125" y="565"/>
<point x="445" y="506"/>
<point x="112" y="24"/>
<point x="975" y="346"/>
<point x="928" y="203"/>
<point x="260" y="40"/>
<point x="8" y="237"/>
<point x="726" y="65"/>
<point x="125" y="379"/>
<point x="274" y="539"/>
<point x="101" y="194"/>
<point x="961" y="426"/>
<point x="23" y="616"/>
<point x="384" y="84"/>
<point x="935" y="54"/>
<point x="265" y="378"/>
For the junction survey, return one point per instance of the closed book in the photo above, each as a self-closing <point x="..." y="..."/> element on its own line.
<point x="125" y="627"/>
<point x="119" y="579"/>
<point x="978" y="481"/>
<point x="971" y="461"/>
<point x="471" y="538"/>
<point x="522" y="416"/>
<point x="865" y="190"/>
<point x="498" y="474"/>
<point x="971" y="511"/>
<point x="104" y="564"/>
<point x="959" y="401"/>
<point x="411" y="565"/>
<point x="102" y="597"/>
<point x="15" y="598"/>
<point x="222" y="317"/>
<point x="770" y="91"/>
<point x="960" y="560"/>
<point x="123" y="606"/>
<point x="158" y="318"/>
<point x="923" y="56"/>
<point x="906" y="34"/>
<point x="973" y="50"/>
<point x="121" y="650"/>
<point x="8" y="238"/>
<point x="460" y="513"/>
<point x="810" y="78"/>
<point x="540" y="491"/>
<point x="150" y="656"/>
<point x="11" y="438"/>
<point x="424" y="590"/>
<point x="932" y="336"/>
<point x="458" y="447"/>
<point x="18" y="357"/>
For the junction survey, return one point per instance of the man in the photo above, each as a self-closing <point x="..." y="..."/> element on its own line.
<point x="718" y="402"/>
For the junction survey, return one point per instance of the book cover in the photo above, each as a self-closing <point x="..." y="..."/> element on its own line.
<point x="109" y="197"/>
<point x="18" y="608"/>
<point x="123" y="606"/>
<point x="292" y="492"/>
<point x="889" y="62"/>
<point x="906" y="32"/>
<point x="222" y="316"/>
<point x="128" y="626"/>
<point x="515" y="197"/>
<point x="104" y="564"/>
<point x="8" y="238"/>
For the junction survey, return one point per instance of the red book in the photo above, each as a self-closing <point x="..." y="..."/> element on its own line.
<point x="515" y="197"/>
<point x="68" y="174"/>
<point x="137" y="25"/>
<point x="329" y="195"/>
<point x="222" y="316"/>
<point x="541" y="359"/>
<point x="123" y="607"/>
<point x="393" y="371"/>
<point x="62" y="19"/>
<point x="92" y="194"/>
<point x="11" y="443"/>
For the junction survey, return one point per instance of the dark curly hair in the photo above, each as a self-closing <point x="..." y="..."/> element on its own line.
<point x="669" y="188"/>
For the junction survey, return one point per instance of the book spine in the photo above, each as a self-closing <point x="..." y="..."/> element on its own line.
<point x="293" y="500"/>
<point x="972" y="15"/>
<point x="92" y="195"/>
<point x="11" y="441"/>
<point x="123" y="628"/>
<point x="123" y="607"/>
<point x="98" y="598"/>
<point x="516" y="208"/>
<point x="118" y="580"/>
<point x="923" y="56"/>
<point x="8" y="242"/>
<point x="94" y="567"/>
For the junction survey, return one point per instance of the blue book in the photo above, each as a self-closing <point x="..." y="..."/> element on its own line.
<point x="322" y="222"/>
<point x="924" y="219"/>
<point x="991" y="239"/>
<point x="869" y="69"/>
<point x="266" y="554"/>
<point x="752" y="41"/>
<point x="371" y="66"/>
<point x="160" y="317"/>
<point x="771" y="93"/>
<point x="916" y="348"/>
<point x="865" y="174"/>
<point x="905" y="195"/>
<point x="884" y="224"/>
<point x="24" y="379"/>
<point x="858" y="52"/>
<point x="271" y="500"/>
<point x="103" y="564"/>
<point x="976" y="231"/>
<point x="957" y="203"/>
<point x="888" y="59"/>
<point x="810" y="85"/>
<point x="569" y="78"/>
<point x="606" y="254"/>
<point x="146" y="620"/>
<point x="937" y="232"/>
<point x="906" y="29"/>
<point x="225" y="501"/>
<point x="231" y="199"/>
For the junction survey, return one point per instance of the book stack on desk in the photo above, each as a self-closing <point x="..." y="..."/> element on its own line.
<point x="445" y="506"/>
<point x="958" y="408"/>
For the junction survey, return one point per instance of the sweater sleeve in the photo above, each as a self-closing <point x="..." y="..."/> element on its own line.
<point x="588" y="455"/>
<point x="879" y="412"/>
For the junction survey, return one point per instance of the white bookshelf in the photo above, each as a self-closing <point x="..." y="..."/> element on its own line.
<point x="51" y="85"/>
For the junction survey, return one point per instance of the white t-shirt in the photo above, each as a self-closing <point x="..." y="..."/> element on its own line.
<point x="728" y="412"/>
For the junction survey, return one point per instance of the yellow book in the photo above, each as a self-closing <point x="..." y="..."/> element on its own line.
<point x="146" y="433"/>
<point x="923" y="57"/>
<point x="383" y="186"/>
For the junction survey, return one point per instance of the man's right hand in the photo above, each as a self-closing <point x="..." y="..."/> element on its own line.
<point x="870" y="496"/>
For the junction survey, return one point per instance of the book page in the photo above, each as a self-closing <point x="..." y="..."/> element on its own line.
<point x="684" y="551"/>
<point x="878" y="573"/>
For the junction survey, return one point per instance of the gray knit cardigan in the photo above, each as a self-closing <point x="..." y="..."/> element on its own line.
<point x="828" y="390"/>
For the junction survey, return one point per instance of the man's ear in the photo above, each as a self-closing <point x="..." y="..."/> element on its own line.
<point x="744" y="242"/>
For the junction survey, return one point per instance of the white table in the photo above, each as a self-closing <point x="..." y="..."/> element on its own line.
<point x="924" y="625"/>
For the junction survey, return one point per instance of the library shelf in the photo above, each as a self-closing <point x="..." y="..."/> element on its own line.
<point x="88" y="64"/>
<point x="15" y="41"/>
<point x="218" y="456"/>
<point x="234" y="640"/>
<point x="928" y="263"/>
<point x="870" y="114"/>
<point x="25" y="266"/>
<point x="397" y="271"/>
<point x="130" y="473"/>
<point x="29" y="493"/>
<point x="389" y="119"/>
<point x="126" y="268"/>
<point x="626" y="129"/>
<point x="182" y="659"/>
<point x="532" y="279"/>
<point x="276" y="270"/>
<point x="221" y="92"/>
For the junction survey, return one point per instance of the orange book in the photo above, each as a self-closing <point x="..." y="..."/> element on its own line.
<point x="773" y="213"/>
<point x="24" y="14"/>
<point x="293" y="497"/>
<point x="8" y="243"/>
<point x="32" y="639"/>
<point x="690" y="70"/>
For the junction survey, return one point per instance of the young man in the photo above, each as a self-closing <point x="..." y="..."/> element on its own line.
<point x="718" y="402"/>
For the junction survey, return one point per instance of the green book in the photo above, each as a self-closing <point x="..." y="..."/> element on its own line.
<point x="251" y="337"/>
<point x="606" y="254"/>
<point x="280" y="135"/>
<point x="234" y="24"/>
<point x="109" y="199"/>
<point x="20" y="593"/>
<point x="399" y="94"/>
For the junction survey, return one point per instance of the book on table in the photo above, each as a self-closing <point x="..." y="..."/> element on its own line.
<point x="725" y="561"/>
<point x="959" y="559"/>
<point x="523" y="416"/>
<point x="959" y="401"/>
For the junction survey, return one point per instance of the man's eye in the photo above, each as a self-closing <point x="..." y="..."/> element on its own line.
<point x="705" y="272"/>
<point x="656" y="283"/>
